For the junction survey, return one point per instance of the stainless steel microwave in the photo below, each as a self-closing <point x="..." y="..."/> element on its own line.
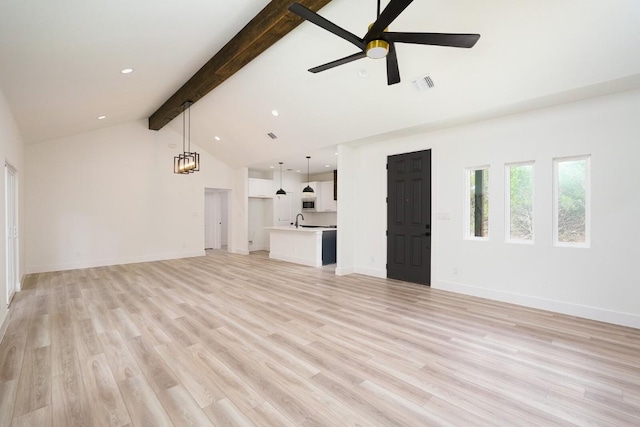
<point x="308" y="205"/>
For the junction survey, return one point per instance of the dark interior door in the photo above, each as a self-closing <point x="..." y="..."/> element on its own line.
<point x="409" y="217"/>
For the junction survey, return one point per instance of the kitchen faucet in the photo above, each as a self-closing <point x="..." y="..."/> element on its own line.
<point x="297" y="219"/>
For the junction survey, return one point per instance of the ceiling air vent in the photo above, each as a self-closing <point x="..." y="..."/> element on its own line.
<point x="272" y="135"/>
<point x="423" y="83"/>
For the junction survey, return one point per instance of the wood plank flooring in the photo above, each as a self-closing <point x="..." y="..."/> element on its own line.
<point x="230" y="340"/>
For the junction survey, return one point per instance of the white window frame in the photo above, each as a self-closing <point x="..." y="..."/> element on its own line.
<point x="587" y="230"/>
<point x="507" y="202"/>
<point x="467" y="203"/>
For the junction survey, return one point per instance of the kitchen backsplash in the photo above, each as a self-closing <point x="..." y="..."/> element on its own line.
<point x="320" y="218"/>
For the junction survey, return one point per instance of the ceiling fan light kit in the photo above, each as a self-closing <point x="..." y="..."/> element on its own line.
<point x="378" y="43"/>
<point x="377" y="49"/>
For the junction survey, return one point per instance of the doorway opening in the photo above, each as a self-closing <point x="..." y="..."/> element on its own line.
<point x="216" y="218"/>
<point x="11" y="228"/>
<point x="409" y="217"/>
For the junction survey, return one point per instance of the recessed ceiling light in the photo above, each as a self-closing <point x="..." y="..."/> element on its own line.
<point x="271" y="167"/>
<point x="127" y="71"/>
<point x="363" y="73"/>
<point x="275" y="113"/>
<point x="335" y="154"/>
<point x="298" y="170"/>
<point x="102" y="117"/>
<point x="217" y="138"/>
<point x="327" y="166"/>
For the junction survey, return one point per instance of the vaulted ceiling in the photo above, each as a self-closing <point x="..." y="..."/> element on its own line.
<point x="60" y="68"/>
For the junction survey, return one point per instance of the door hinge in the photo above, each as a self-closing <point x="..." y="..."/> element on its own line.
<point x="386" y="266"/>
<point x="386" y="233"/>
<point x="387" y="166"/>
<point x="387" y="199"/>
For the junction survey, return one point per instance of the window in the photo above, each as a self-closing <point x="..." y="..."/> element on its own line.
<point x="519" y="202"/>
<point x="571" y="201"/>
<point x="477" y="203"/>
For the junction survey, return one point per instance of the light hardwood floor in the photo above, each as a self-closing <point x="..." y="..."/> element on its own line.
<point x="229" y="340"/>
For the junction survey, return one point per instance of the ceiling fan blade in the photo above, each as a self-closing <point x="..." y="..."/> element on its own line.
<point x="337" y="62"/>
<point x="393" y="72"/>
<point x="436" y="39"/>
<point x="388" y="15"/>
<point x="321" y="22"/>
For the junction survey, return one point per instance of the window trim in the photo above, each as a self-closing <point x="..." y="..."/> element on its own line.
<point x="507" y="203"/>
<point x="467" y="204"/>
<point x="587" y="198"/>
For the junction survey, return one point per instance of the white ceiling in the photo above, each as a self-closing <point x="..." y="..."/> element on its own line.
<point x="60" y="68"/>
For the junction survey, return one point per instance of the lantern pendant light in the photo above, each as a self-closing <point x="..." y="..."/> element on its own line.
<point x="308" y="190"/>
<point x="188" y="161"/>
<point x="281" y="192"/>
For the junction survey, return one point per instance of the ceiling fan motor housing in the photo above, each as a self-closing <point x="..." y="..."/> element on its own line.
<point x="377" y="49"/>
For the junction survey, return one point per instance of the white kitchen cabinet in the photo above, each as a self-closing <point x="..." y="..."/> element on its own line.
<point x="323" y="193"/>
<point x="325" y="202"/>
<point x="262" y="188"/>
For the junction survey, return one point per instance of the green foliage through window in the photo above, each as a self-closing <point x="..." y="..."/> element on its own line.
<point x="520" y="203"/>
<point x="571" y="200"/>
<point x="478" y="181"/>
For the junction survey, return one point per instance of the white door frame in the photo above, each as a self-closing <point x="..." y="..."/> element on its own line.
<point x="11" y="229"/>
<point x="213" y="204"/>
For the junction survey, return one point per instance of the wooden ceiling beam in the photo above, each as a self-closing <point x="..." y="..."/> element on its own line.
<point x="265" y="29"/>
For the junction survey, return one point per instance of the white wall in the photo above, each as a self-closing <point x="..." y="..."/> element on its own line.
<point x="12" y="152"/>
<point x="110" y="197"/>
<point x="600" y="282"/>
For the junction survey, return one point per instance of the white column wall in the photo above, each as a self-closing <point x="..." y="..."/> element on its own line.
<point x="599" y="283"/>
<point x="239" y="239"/>
<point x="348" y="210"/>
<point x="11" y="151"/>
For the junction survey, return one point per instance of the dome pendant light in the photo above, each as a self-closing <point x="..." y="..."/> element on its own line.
<point x="308" y="188"/>
<point x="281" y="192"/>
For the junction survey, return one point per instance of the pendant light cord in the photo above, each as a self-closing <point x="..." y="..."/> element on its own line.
<point x="184" y="129"/>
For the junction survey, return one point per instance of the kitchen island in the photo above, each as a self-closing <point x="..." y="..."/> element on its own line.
<point x="312" y="246"/>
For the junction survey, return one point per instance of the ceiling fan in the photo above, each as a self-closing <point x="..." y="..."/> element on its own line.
<point x="380" y="43"/>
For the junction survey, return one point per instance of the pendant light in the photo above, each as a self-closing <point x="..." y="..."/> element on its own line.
<point x="188" y="161"/>
<point x="281" y="192"/>
<point x="307" y="190"/>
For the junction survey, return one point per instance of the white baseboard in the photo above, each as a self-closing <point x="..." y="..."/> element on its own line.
<point x="344" y="271"/>
<point x="587" y="312"/>
<point x="113" y="261"/>
<point x="374" y="272"/>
